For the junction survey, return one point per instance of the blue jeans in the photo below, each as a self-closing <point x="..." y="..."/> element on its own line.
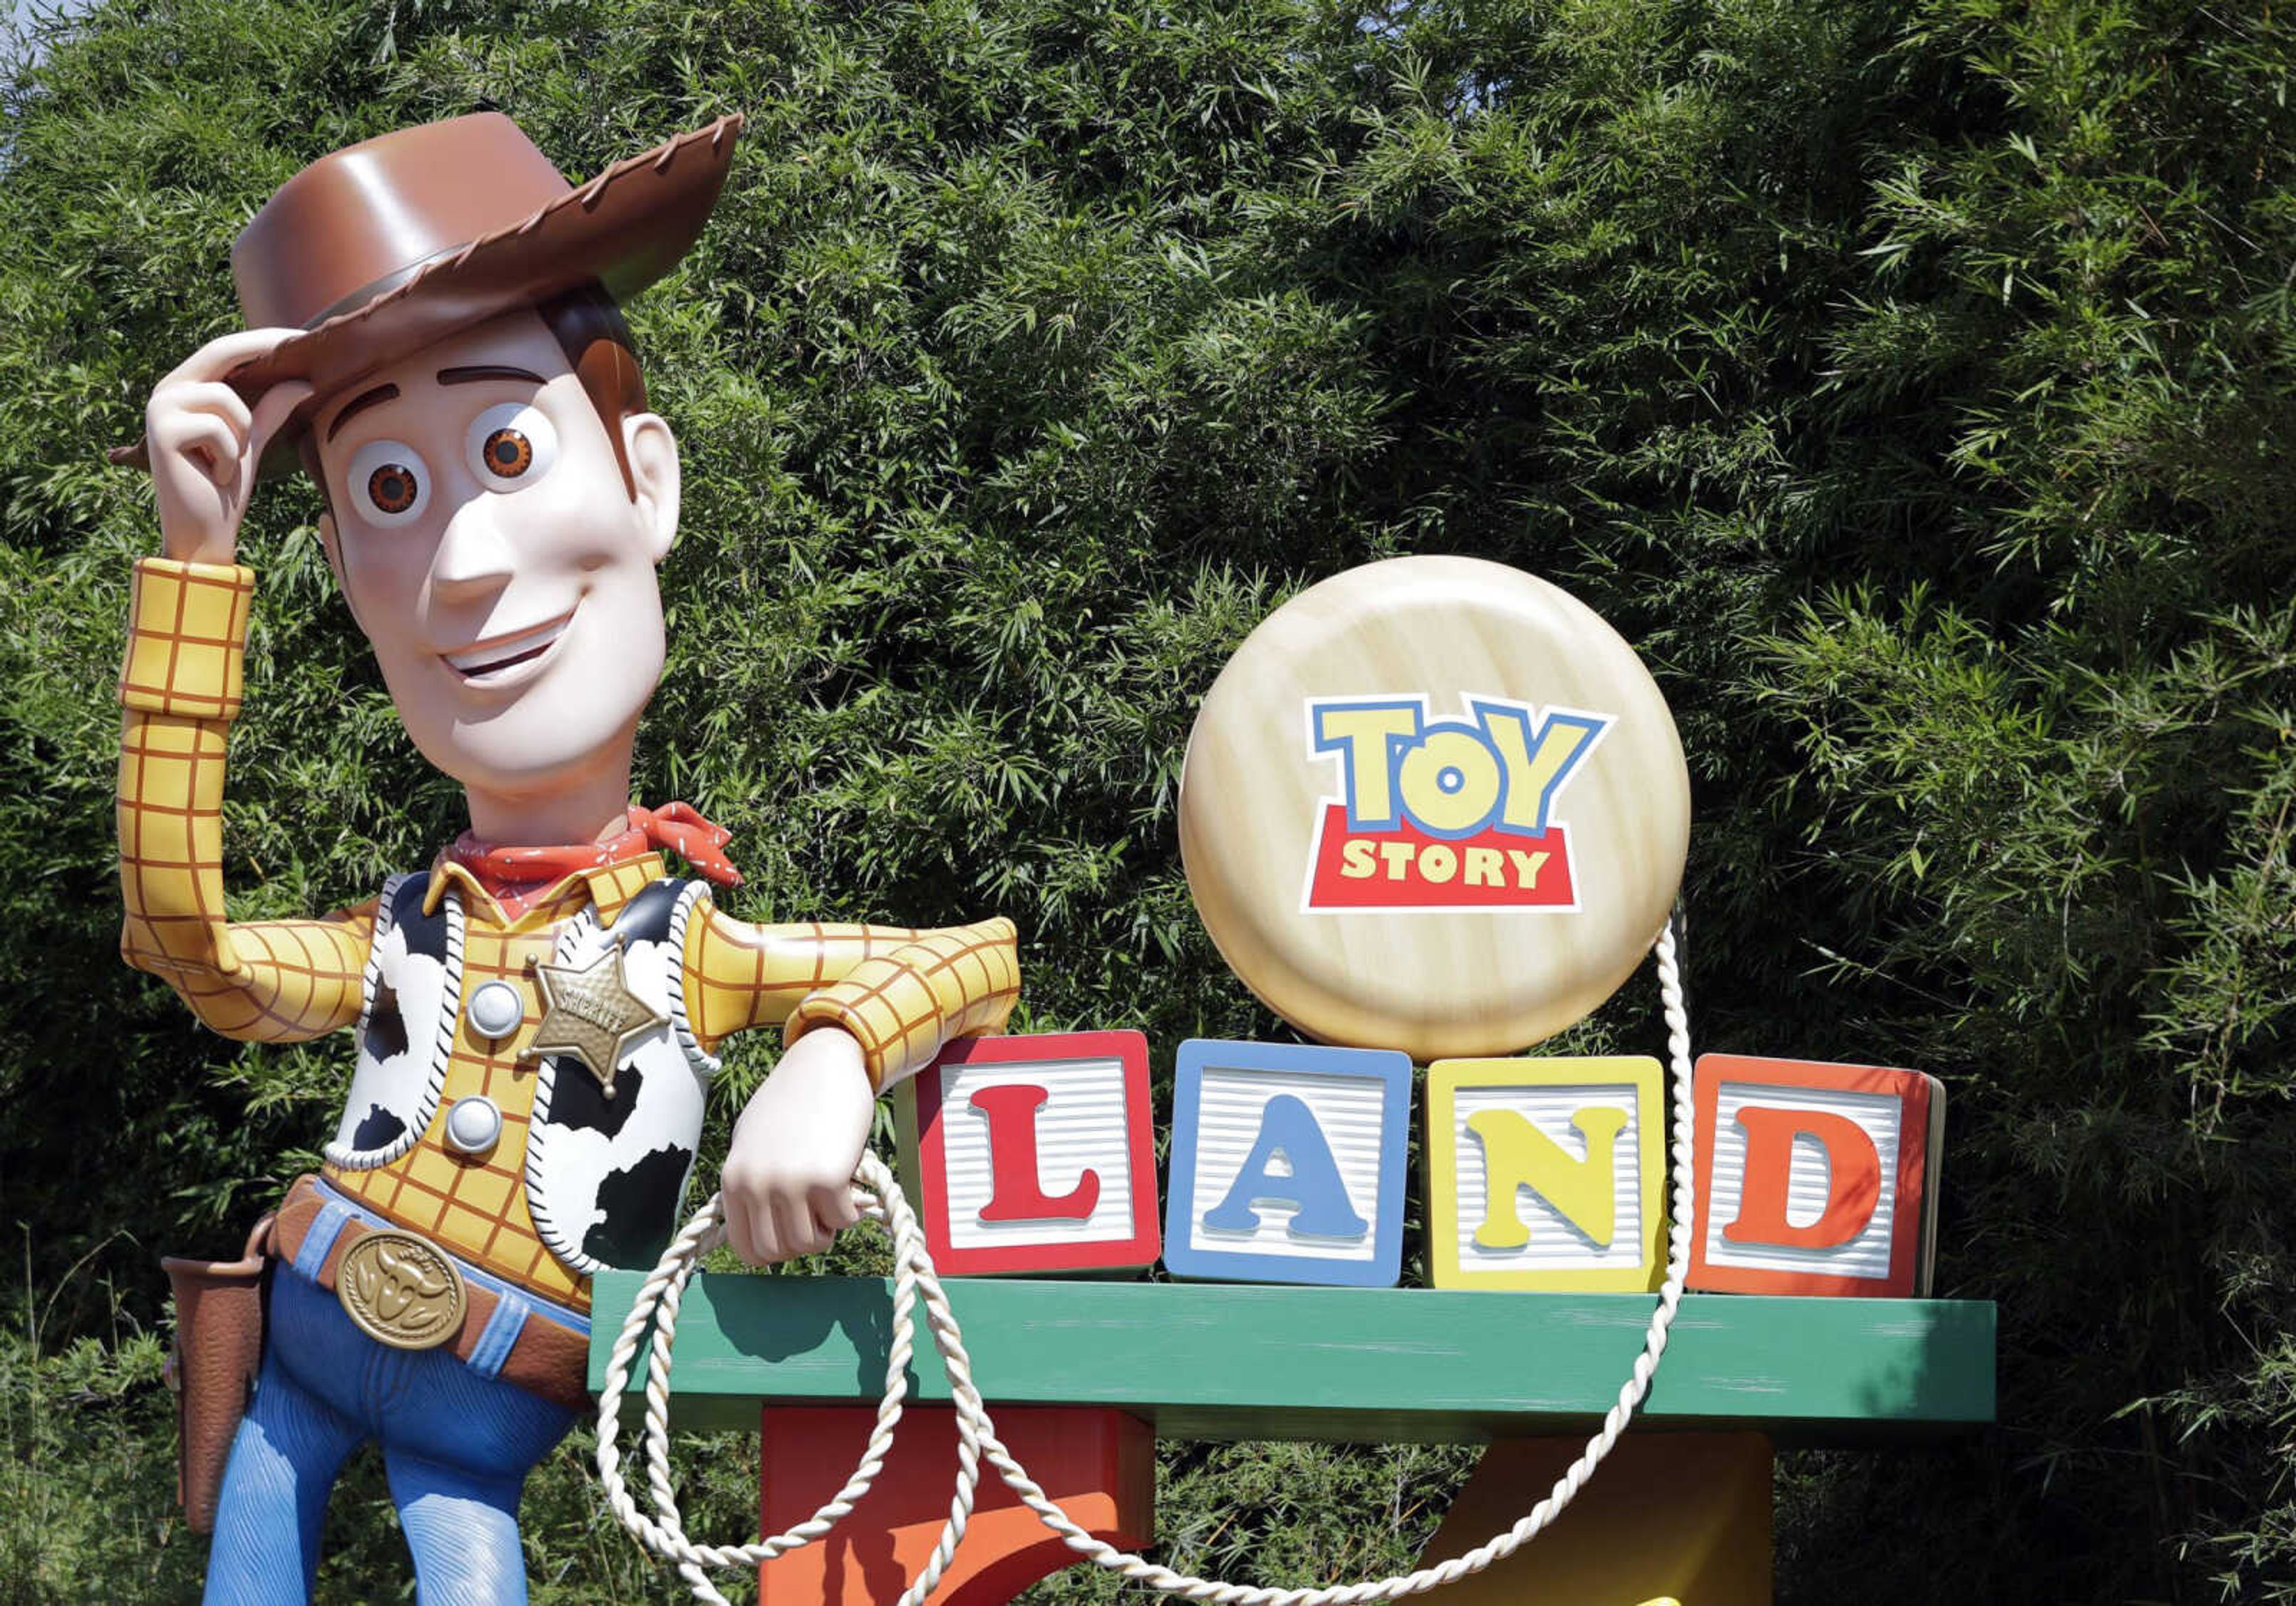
<point x="456" y="1446"/>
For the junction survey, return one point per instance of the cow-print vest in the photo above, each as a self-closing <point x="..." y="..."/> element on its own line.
<point x="605" y="1177"/>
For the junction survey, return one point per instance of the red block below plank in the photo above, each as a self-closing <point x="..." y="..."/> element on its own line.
<point x="1099" y="1464"/>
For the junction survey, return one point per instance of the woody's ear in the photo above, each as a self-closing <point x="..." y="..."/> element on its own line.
<point x="653" y="453"/>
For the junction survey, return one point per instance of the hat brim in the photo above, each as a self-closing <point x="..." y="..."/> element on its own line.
<point x="624" y="229"/>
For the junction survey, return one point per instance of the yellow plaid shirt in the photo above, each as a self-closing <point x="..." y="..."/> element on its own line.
<point x="901" y="993"/>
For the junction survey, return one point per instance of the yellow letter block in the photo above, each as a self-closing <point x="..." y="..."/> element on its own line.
<point x="1547" y="1174"/>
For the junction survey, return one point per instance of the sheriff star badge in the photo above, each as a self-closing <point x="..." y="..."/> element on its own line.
<point x="590" y="1013"/>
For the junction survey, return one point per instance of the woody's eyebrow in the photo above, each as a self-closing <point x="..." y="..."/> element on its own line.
<point x="359" y="403"/>
<point x="486" y="371"/>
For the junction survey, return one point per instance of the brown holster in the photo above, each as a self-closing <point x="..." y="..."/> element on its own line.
<point x="218" y="1351"/>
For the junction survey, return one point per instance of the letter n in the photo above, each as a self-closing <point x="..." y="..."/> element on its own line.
<point x="1499" y="1129"/>
<point x="1516" y="1154"/>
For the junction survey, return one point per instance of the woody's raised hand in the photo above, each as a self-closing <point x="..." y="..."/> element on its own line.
<point x="205" y="442"/>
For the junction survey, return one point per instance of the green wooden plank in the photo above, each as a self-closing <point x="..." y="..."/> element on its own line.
<point x="1387" y="1365"/>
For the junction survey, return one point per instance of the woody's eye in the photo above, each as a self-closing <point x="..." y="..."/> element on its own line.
<point x="390" y="482"/>
<point x="511" y="445"/>
<point x="507" y="453"/>
<point x="392" y="488"/>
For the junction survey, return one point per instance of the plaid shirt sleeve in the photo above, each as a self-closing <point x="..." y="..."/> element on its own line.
<point x="901" y="993"/>
<point x="179" y="688"/>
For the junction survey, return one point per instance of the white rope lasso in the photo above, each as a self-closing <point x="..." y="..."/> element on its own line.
<point x="880" y="1197"/>
<point x="661" y="1296"/>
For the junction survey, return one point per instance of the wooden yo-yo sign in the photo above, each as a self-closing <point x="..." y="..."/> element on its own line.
<point x="1434" y="805"/>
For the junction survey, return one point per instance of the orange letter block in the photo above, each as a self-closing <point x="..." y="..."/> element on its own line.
<point x="1813" y="1179"/>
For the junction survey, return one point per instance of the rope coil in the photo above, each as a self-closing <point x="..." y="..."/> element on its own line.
<point x="652" y="1323"/>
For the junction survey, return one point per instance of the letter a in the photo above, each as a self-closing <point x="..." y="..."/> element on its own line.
<point x="1289" y="1129"/>
<point x="1517" y="1154"/>
<point x="1015" y="1190"/>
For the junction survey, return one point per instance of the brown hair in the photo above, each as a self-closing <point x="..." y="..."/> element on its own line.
<point x="591" y="331"/>
<point x="589" y="328"/>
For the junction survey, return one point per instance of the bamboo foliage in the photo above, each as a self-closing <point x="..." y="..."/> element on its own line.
<point x="1910" y="381"/>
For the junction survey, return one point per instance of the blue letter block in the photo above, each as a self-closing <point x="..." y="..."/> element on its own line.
<point x="1288" y="1164"/>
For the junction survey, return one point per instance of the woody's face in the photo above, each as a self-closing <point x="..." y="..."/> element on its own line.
<point x="488" y="547"/>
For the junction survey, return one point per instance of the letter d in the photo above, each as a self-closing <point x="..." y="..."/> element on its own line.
<point x="1853" y="1180"/>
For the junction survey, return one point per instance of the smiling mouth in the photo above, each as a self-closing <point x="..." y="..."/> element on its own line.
<point x="485" y="659"/>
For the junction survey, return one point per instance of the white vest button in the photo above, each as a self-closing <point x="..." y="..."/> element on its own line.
<point x="473" y="1124"/>
<point x="496" y="1009"/>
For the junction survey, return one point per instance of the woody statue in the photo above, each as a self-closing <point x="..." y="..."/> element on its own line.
<point x="433" y="330"/>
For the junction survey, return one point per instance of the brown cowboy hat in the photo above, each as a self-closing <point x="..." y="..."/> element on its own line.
<point x="381" y="248"/>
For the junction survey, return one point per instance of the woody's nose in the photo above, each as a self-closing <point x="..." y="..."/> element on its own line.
<point x="473" y="557"/>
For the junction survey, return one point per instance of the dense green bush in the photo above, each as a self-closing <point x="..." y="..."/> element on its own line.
<point x="1908" y="381"/>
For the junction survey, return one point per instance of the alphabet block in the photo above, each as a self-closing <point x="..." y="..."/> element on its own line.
<point x="1815" y="1179"/>
<point x="1288" y="1164"/>
<point x="1546" y="1173"/>
<point x="1034" y="1153"/>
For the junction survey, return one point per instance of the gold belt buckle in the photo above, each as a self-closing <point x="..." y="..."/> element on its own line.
<point x="401" y="1290"/>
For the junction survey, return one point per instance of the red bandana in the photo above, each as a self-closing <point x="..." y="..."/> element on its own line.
<point x="518" y="876"/>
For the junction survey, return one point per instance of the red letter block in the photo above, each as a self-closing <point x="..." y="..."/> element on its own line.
<point x="1815" y="1179"/>
<point x="1034" y="1153"/>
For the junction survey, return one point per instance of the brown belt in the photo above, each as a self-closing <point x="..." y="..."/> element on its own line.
<point x="545" y="1358"/>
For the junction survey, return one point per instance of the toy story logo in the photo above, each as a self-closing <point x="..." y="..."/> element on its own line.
<point x="1435" y="815"/>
